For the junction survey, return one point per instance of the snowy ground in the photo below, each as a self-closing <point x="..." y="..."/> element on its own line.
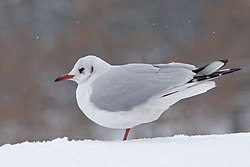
<point x="213" y="150"/>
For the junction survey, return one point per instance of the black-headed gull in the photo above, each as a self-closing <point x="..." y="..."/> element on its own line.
<point x="124" y="96"/>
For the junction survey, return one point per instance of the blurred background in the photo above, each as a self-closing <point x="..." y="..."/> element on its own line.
<point x="42" y="39"/>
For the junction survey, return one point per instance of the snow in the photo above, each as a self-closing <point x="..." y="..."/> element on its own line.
<point x="213" y="150"/>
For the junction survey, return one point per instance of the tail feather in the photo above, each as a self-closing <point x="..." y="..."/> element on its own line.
<point x="212" y="70"/>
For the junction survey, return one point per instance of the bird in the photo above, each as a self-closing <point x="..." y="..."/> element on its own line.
<point x="124" y="96"/>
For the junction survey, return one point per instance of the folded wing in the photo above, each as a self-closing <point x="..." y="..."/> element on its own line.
<point x="125" y="87"/>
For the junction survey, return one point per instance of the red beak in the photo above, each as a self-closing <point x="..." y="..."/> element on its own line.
<point x="64" y="77"/>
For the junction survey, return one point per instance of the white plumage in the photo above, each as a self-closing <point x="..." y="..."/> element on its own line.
<point x="125" y="96"/>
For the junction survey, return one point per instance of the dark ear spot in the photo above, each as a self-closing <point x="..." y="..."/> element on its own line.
<point x="92" y="69"/>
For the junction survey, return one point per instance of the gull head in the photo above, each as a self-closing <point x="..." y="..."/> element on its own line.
<point x="86" y="68"/>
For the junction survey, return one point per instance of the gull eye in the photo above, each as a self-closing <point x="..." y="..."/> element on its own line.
<point x="81" y="70"/>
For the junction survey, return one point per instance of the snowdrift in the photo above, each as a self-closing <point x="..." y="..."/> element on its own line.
<point x="229" y="150"/>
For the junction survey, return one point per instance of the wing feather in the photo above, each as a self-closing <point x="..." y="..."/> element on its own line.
<point x="125" y="87"/>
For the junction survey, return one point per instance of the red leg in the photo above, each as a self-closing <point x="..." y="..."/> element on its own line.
<point x="126" y="134"/>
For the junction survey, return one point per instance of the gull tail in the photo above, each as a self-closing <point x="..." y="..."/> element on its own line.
<point x="212" y="70"/>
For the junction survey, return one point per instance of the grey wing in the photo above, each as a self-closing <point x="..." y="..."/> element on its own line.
<point x="127" y="86"/>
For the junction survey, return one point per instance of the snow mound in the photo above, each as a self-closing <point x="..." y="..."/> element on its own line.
<point x="213" y="150"/>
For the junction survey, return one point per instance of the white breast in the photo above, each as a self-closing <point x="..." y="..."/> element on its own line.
<point x="119" y="119"/>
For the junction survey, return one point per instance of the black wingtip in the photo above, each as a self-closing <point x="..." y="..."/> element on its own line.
<point x="235" y="69"/>
<point x="228" y="71"/>
<point x="224" y="61"/>
<point x="214" y="75"/>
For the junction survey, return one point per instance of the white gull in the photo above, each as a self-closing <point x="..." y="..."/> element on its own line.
<point x="124" y="96"/>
